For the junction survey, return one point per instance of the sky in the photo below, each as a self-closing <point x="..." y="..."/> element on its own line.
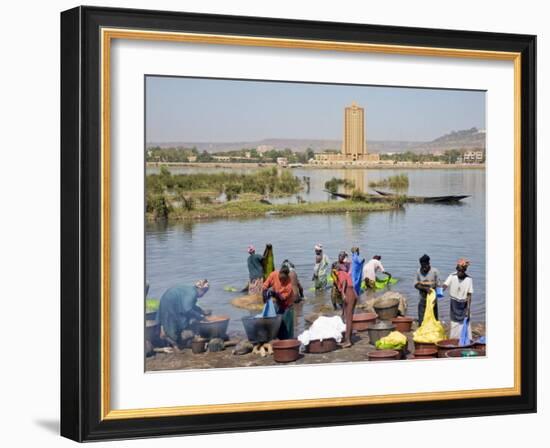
<point x="215" y="110"/>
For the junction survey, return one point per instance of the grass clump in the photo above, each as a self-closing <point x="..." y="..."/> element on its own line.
<point x="333" y="184"/>
<point x="397" y="182"/>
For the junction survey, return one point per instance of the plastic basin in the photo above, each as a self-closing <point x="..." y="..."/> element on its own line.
<point x="383" y="355"/>
<point x="448" y="344"/>
<point x="324" y="346"/>
<point x="402" y="324"/>
<point x="425" y="353"/>
<point x="361" y="321"/>
<point x="464" y="353"/>
<point x="287" y="350"/>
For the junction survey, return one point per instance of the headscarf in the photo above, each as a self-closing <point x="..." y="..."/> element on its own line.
<point x="318" y="246"/>
<point x="463" y="263"/>
<point x="202" y="287"/>
<point x="251" y="249"/>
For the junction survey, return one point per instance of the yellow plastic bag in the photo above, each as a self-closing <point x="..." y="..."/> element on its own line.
<point x="431" y="330"/>
<point x="394" y="341"/>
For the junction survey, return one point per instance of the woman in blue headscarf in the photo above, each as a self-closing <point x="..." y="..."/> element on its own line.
<point x="178" y="310"/>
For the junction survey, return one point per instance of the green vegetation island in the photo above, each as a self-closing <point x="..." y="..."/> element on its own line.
<point x="200" y="196"/>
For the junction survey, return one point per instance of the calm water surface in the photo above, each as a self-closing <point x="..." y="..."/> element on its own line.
<point x="184" y="252"/>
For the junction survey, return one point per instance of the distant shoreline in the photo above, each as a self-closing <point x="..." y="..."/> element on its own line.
<point x="381" y="166"/>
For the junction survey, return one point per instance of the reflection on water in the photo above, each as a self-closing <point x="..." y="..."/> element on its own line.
<point x="185" y="252"/>
<point x="357" y="179"/>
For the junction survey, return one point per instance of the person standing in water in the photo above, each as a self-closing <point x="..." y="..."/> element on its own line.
<point x="460" y="288"/>
<point x="255" y="271"/>
<point x="373" y="267"/>
<point x="349" y="296"/>
<point x="427" y="278"/>
<point x="321" y="268"/>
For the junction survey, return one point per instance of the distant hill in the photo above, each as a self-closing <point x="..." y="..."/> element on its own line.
<point x="469" y="138"/>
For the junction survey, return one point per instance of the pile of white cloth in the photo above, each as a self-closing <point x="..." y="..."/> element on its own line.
<point x="324" y="328"/>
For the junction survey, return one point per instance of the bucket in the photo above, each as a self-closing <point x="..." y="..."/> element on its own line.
<point x="448" y="344"/>
<point x="287" y="350"/>
<point x="361" y="321"/>
<point x="439" y="292"/>
<point x="387" y="309"/>
<point x="379" y="330"/>
<point x="198" y="345"/>
<point x="464" y="353"/>
<point x="383" y="355"/>
<point x="402" y="324"/>
<point x="324" y="346"/>
<point x="425" y="353"/>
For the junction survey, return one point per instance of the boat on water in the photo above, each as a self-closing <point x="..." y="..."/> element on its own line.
<point x="383" y="196"/>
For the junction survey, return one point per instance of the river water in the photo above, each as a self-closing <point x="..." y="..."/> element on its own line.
<point x="216" y="250"/>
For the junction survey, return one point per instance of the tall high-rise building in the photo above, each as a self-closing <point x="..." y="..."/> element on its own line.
<point x="354" y="145"/>
<point x="354" y="142"/>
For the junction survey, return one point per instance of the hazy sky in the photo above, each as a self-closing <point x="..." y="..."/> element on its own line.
<point x="211" y="110"/>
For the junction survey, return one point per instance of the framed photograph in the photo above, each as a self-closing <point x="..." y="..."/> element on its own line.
<point x="274" y="223"/>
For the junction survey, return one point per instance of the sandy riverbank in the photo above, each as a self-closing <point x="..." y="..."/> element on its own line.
<point x="226" y="359"/>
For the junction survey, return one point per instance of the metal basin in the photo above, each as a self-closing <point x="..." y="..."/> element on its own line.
<point x="387" y="309"/>
<point x="214" y="327"/>
<point x="379" y="330"/>
<point x="152" y="332"/>
<point x="261" y="329"/>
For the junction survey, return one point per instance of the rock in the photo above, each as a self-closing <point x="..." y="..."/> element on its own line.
<point x="243" y="347"/>
<point x="231" y="342"/>
<point x="216" y="345"/>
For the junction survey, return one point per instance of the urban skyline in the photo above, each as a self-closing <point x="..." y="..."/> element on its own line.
<point x="214" y="110"/>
